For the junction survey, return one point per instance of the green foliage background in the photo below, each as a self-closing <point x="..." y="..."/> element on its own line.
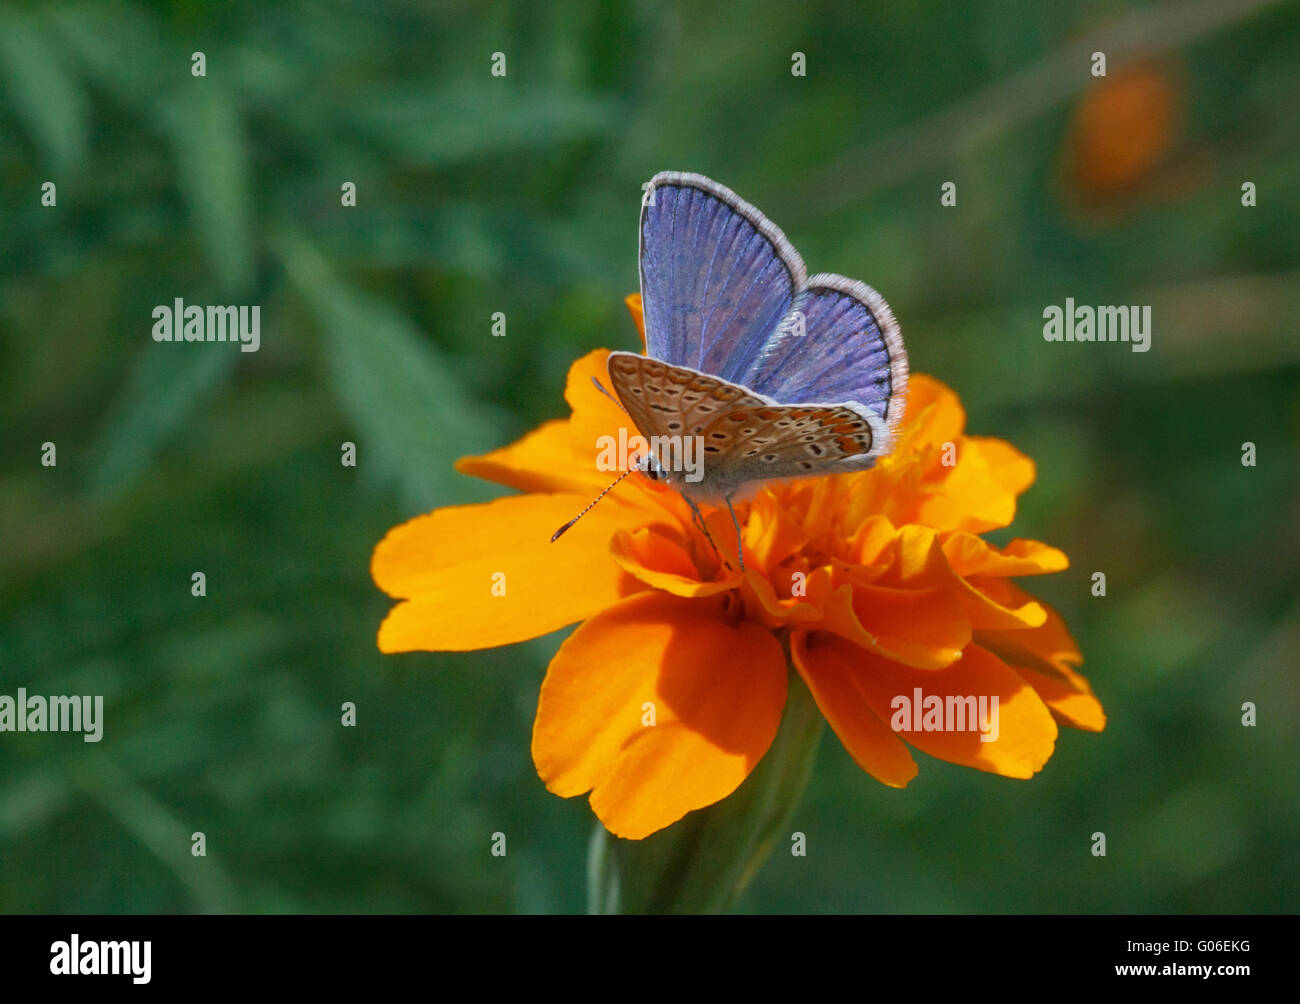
<point x="521" y="195"/>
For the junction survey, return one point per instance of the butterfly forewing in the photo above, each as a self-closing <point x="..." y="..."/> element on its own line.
<point x="716" y="275"/>
<point x="666" y="400"/>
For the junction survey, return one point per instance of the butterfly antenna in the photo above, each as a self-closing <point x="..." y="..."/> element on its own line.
<point x="601" y="387"/>
<point x="556" y="536"/>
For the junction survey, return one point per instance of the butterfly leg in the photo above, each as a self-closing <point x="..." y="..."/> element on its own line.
<point x="740" y="547"/>
<point x="698" y="518"/>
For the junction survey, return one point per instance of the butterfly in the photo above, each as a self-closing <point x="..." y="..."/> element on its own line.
<point x="753" y="367"/>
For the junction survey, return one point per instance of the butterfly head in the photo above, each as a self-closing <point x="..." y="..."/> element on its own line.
<point x="649" y="465"/>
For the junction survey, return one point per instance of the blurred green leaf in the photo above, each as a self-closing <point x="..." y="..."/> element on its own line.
<point x="158" y="829"/>
<point x="410" y="411"/>
<point x="43" y="90"/>
<point x="445" y="126"/>
<point x="165" y="385"/>
<point x="119" y="46"/>
<point x="212" y="166"/>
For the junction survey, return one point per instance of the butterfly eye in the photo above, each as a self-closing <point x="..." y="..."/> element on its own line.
<point x="648" y="465"/>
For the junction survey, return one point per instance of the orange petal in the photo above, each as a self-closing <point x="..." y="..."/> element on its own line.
<point x="763" y="603"/>
<point x="544" y="460"/>
<point x="832" y="677"/>
<point x="933" y="416"/>
<point x="925" y="628"/>
<point x="979" y="493"/>
<point x="1014" y="471"/>
<point x="1026" y="732"/>
<point x="919" y="561"/>
<point x="771" y="535"/>
<point x="970" y="555"/>
<point x="1046" y="658"/>
<point x="451" y="564"/>
<point x="988" y="612"/>
<point x="563" y="455"/>
<point x="870" y="543"/>
<point x="914" y="611"/>
<point x="594" y="413"/>
<point x="717" y="692"/>
<point x="1080" y="710"/>
<point x="658" y="561"/>
<point x="633" y="301"/>
<point x="1048" y="649"/>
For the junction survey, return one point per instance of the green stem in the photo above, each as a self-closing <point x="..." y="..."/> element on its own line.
<point x="704" y="862"/>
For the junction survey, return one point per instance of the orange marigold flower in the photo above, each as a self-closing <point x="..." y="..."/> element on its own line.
<point x="877" y="584"/>
<point x="1123" y="129"/>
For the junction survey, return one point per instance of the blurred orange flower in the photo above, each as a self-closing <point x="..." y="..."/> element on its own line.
<point x="874" y="584"/>
<point x="1122" y="130"/>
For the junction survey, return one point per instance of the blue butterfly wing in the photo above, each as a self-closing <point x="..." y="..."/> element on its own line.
<point x="717" y="276"/>
<point x="839" y="343"/>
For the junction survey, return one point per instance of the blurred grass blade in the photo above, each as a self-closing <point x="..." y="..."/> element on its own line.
<point x="120" y="50"/>
<point x="212" y="164"/>
<point x="158" y="829"/>
<point x="603" y="892"/>
<point x="440" y="127"/>
<point x="165" y="386"/>
<point x="412" y="418"/>
<point x="43" y="90"/>
<point x="461" y="237"/>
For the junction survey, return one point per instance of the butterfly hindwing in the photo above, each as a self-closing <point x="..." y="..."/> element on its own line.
<point x="840" y="342"/>
<point x="758" y="442"/>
